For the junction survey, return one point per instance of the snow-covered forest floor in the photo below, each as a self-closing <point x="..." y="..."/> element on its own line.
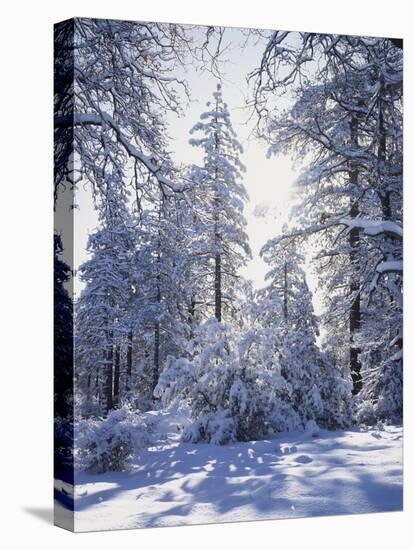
<point x="291" y="475"/>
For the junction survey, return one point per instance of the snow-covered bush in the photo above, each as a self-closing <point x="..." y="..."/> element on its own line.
<point x="232" y="384"/>
<point x="109" y="444"/>
<point x="382" y="400"/>
<point x="337" y="401"/>
<point x="261" y="403"/>
<point x="218" y="428"/>
<point x="206" y="381"/>
<point x="312" y="429"/>
<point x="335" y="390"/>
<point x="300" y="362"/>
<point x="366" y="413"/>
<point x="381" y="397"/>
<point x="175" y="380"/>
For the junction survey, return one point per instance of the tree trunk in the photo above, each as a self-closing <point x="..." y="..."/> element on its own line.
<point x="355" y="309"/>
<point x="116" y="378"/>
<point x="88" y="387"/>
<point x="156" y="356"/>
<point x="97" y="392"/>
<point x="381" y="156"/>
<point x="191" y="316"/>
<point x="129" y="361"/>
<point x="107" y="401"/>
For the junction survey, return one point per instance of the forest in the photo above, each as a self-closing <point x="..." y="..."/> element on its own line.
<point x="162" y="344"/>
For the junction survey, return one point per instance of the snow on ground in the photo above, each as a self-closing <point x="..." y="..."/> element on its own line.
<point x="292" y="475"/>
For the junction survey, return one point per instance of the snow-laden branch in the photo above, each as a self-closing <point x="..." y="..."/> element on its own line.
<point x="383" y="267"/>
<point x="374" y="228"/>
<point x="371" y="228"/>
<point x="84" y="119"/>
<point x="393" y="266"/>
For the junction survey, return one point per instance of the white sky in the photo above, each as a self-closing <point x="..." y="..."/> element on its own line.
<point x="268" y="181"/>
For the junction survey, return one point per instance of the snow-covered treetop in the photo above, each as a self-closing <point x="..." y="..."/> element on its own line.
<point x="219" y="138"/>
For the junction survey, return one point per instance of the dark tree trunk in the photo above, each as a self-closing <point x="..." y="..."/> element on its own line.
<point x="116" y="378"/>
<point x="89" y="388"/>
<point x="355" y="309"/>
<point x="156" y="356"/>
<point x="97" y="392"/>
<point x="129" y="361"/>
<point x="107" y="402"/>
<point x="191" y="316"/>
<point x="386" y="205"/>
<point x="191" y="311"/>
<point x="381" y="155"/>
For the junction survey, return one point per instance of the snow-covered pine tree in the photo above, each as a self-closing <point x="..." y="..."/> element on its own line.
<point x="222" y="238"/>
<point x="314" y="387"/>
<point x="295" y="326"/>
<point x="102" y="320"/>
<point x="160" y="309"/>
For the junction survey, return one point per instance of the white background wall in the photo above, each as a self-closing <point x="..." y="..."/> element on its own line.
<point x="26" y="272"/>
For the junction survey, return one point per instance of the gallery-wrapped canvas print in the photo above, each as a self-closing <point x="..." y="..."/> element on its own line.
<point x="228" y="274"/>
